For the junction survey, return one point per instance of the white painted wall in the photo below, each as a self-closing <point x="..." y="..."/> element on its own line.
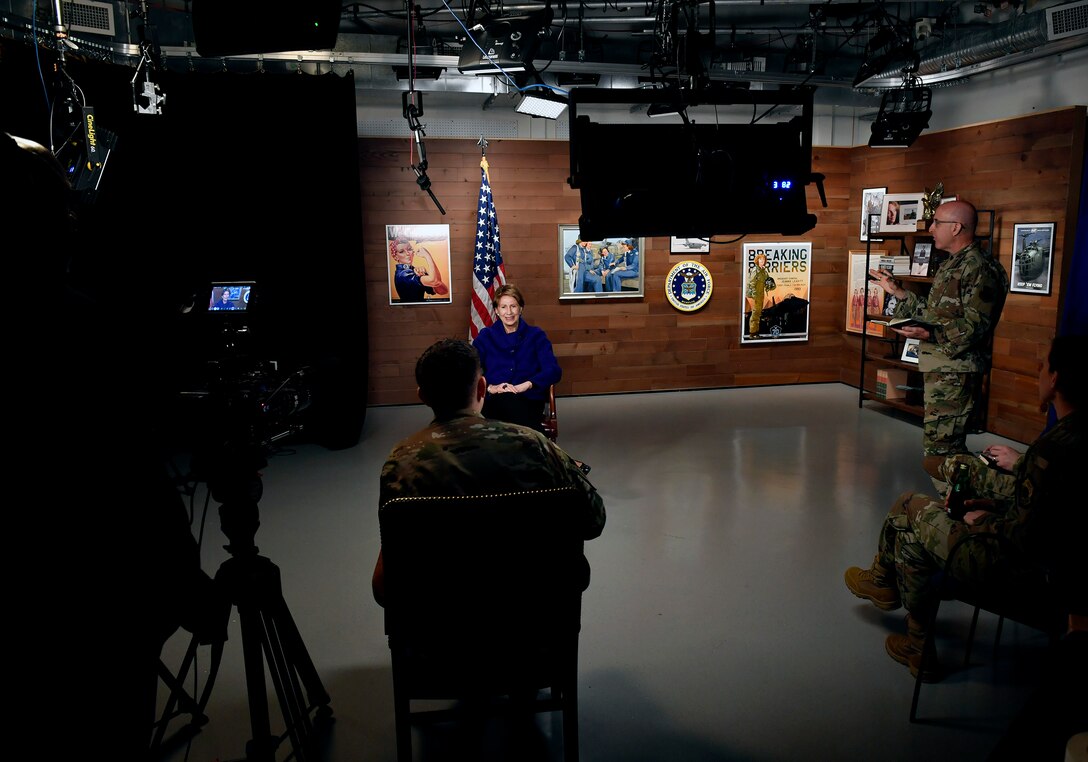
<point x="1049" y="83"/>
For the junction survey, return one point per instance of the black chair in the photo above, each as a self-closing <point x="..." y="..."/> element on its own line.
<point x="1013" y="591"/>
<point x="483" y="605"/>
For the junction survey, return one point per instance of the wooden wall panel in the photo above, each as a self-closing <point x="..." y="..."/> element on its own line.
<point x="1025" y="168"/>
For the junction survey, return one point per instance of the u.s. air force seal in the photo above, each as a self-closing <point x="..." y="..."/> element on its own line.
<point x="688" y="286"/>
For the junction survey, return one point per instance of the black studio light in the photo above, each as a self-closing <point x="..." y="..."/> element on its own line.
<point x="904" y="113"/>
<point x="504" y="44"/>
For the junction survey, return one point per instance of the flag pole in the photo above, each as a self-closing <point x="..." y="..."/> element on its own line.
<point x="482" y="143"/>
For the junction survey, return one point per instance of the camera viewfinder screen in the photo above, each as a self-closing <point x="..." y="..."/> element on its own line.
<point x="230" y="296"/>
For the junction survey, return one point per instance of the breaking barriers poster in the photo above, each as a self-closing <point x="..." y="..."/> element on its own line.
<point x="775" y="292"/>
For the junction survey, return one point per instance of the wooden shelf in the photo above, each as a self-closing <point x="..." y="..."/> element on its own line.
<point x="894" y="361"/>
<point x="898" y="404"/>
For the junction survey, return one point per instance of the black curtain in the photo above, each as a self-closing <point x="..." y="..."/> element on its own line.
<point x="242" y="177"/>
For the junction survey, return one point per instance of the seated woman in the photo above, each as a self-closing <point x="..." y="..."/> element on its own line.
<point x="518" y="363"/>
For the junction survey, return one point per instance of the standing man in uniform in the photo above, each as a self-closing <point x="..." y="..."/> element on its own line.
<point x="958" y="317"/>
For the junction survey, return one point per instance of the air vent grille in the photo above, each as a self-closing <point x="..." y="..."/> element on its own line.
<point x="1067" y="20"/>
<point x="88" y="17"/>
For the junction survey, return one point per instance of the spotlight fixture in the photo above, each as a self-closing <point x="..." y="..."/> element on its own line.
<point x="541" y="101"/>
<point x="904" y="113"/>
<point x="505" y="44"/>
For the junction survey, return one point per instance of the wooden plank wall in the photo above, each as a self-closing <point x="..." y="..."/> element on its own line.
<point x="1023" y="167"/>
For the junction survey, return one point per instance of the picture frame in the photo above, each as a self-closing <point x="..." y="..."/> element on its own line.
<point x="418" y="262"/>
<point x="688" y="246"/>
<point x="872" y="202"/>
<point x="775" y="291"/>
<point x="581" y="275"/>
<point x="921" y="257"/>
<point x="1032" y="258"/>
<point x="910" y="351"/>
<point x="863" y="296"/>
<point x="900" y="212"/>
<point x="874" y="228"/>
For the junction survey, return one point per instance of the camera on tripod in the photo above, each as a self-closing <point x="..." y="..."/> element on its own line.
<point x="245" y="404"/>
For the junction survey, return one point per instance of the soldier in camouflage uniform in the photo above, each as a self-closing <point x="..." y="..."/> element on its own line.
<point x="463" y="453"/>
<point x="961" y="311"/>
<point x="1037" y="506"/>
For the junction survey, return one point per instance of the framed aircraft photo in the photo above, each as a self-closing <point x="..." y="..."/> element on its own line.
<point x="1032" y="260"/>
<point x="688" y="245"/>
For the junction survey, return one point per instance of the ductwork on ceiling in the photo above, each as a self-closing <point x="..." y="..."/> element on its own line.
<point x="1023" y="38"/>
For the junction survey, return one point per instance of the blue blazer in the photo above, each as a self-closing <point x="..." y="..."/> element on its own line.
<point x="513" y="358"/>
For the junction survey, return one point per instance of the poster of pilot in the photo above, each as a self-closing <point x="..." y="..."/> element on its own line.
<point x="419" y="264"/>
<point x="1032" y="260"/>
<point x="608" y="268"/>
<point x="775" y="292"/>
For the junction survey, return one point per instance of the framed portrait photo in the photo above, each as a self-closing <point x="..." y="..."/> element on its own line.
<point x="872" y="202"/>
<point x="609" y="268"/>
<point x="910" y="351"/>
<point x="920" y="259"/>
<point x="900" y="212"/>
<point x="689" y="245"/>
<point x="1032" y="260"/>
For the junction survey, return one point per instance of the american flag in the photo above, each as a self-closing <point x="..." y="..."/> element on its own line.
<point x="488" y="272"/>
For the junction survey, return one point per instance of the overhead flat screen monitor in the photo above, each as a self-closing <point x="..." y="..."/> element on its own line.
<point x="230" y="297"/>
<point x="693" y="179"/>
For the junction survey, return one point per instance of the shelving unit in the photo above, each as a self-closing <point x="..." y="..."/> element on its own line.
<point x="888" y="349"/>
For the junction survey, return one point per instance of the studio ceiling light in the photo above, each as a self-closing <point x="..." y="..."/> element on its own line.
<point x="505" y="44"/>
<point x="541" y="102"/>
<point x="904" y="113"/>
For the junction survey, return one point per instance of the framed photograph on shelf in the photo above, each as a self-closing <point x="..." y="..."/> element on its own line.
<point x="920" y="259"/>
<point x="1032" y="260"/>
<point x="900" y="212"/>
<point x="910" y="351"/>
<point x="688" y="245"/>
<point x="874" y="228"/>
<point x="606" y="269"/>
<point x="872" y="202"/>
<point x="864" y="296"/>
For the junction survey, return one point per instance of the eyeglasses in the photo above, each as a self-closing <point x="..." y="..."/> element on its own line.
<point x="943" y="222"/>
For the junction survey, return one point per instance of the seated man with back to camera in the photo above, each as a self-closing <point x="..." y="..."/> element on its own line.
<point x="463" y="453"/>
<point x="1038" y="509"/>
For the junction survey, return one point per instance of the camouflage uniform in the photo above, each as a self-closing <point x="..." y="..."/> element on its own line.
<point x="1037" y="506"/>
<point x="964" y="304"/>
<point x="467" y="454"/>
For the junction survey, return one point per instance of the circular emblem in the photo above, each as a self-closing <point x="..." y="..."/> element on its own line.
<point x="688" y="286"/>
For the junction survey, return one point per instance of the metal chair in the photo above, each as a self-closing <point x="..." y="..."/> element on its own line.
<point x="483" y="604"/>
<point x="1011" y="591"/>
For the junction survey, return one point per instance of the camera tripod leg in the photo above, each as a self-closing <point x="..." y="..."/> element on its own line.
<point x="270" y="637"/>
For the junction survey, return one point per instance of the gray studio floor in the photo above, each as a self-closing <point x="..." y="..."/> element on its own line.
<point x="716" y="626"/>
